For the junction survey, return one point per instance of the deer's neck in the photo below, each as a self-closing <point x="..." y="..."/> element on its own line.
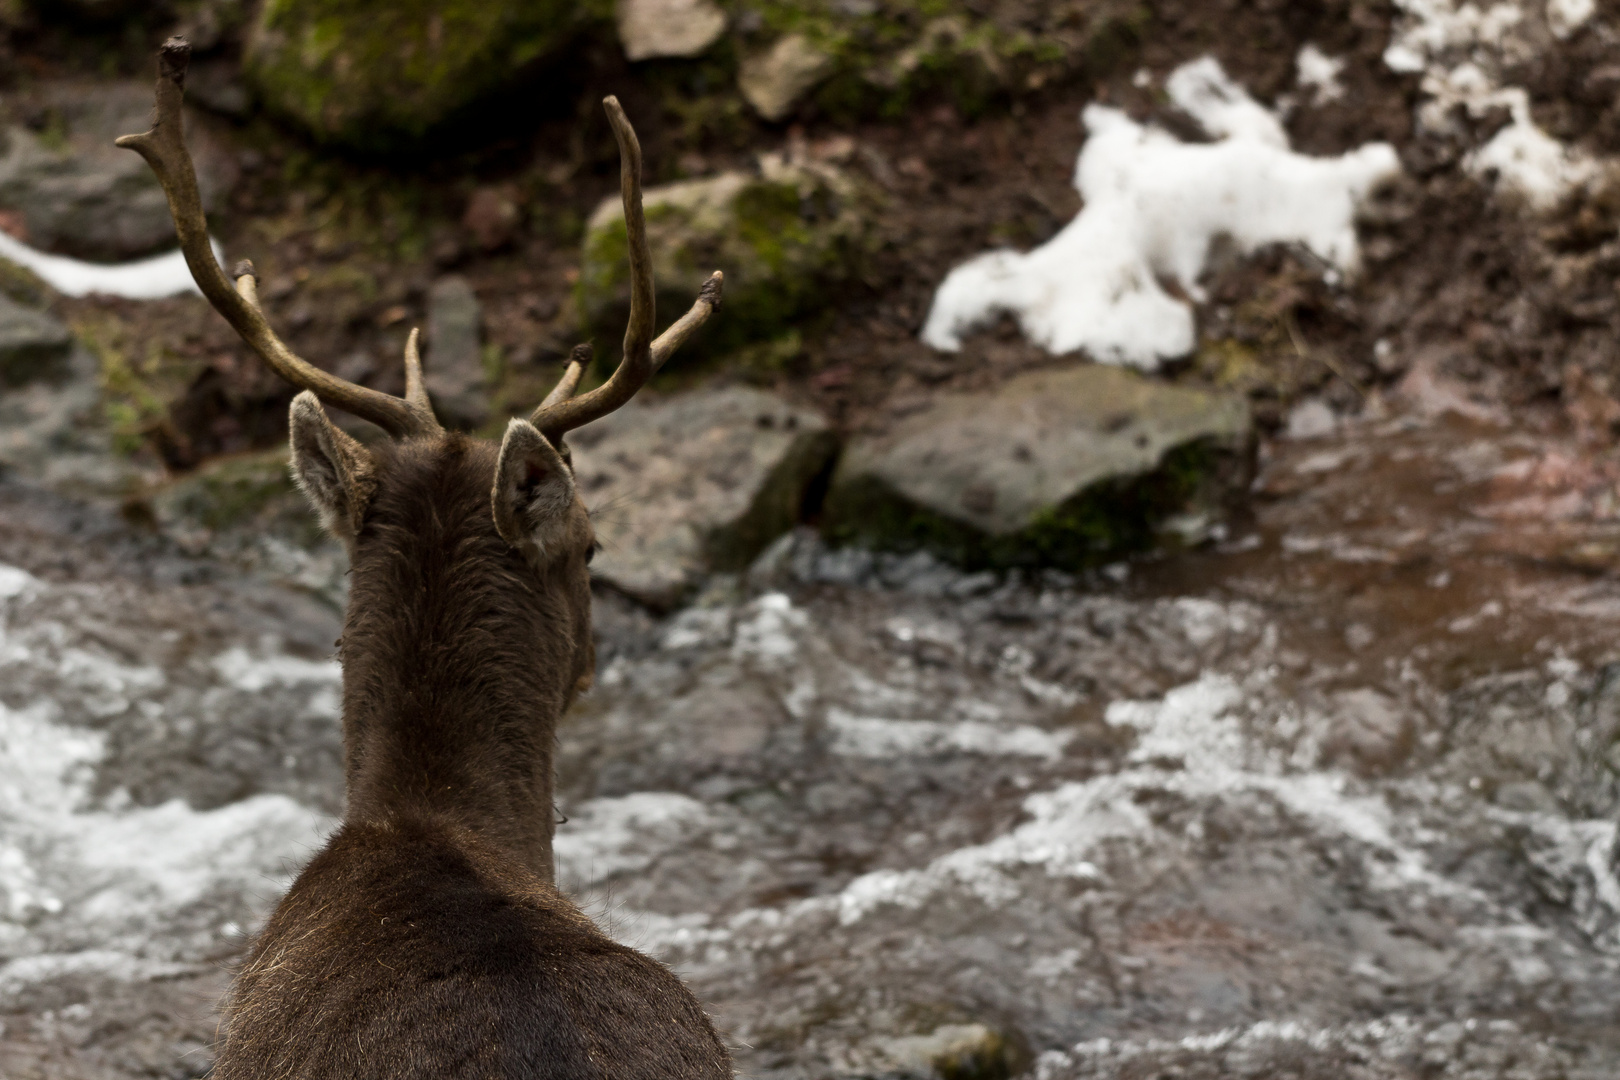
<point x="450" y="704"/>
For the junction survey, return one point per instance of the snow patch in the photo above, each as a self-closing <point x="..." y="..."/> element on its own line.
<point x="1456" y="48"/>
<point x="1319" y="73"/>
<point x="142" y="279"/>
<point x="1153" y="205"/>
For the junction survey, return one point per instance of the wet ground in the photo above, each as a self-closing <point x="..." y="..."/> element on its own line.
<point x="1335" y="798"/>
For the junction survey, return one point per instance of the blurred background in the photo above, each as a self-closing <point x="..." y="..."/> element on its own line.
<point x="1124" y="588"/>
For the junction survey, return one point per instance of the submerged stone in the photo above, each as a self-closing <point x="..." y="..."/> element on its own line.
<point x="696" y="483"/>
<point x="1060" y="468"/>
<point x="783" y="238"/>
<point x="379" y="77"/>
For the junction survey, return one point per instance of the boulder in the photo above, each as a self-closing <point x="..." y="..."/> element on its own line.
<point x="1061" y="468"/>
<point x="65" y="187"/>
<point x="695" y="483"/>
<point x="454" y="367"/>
<point x="380" y="76"/>
<point x="783" y="238"/>
<point x="653" y="28"/>
<point x="32" y="343"/>
<point x="774" y="80"/>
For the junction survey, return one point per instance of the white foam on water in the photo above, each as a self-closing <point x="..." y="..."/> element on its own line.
<point x="604" y="837"/>
<point x="877" y="737"/>
<point x="142" y="279"/>
<point x="117" y="890"/>
<point x="1153" y="205"/>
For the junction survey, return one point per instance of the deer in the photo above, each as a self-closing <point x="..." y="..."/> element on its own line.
<point x="427" y="938"/>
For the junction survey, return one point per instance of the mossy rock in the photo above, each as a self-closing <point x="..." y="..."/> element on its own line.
<point x="881" y="56"/>
<point x="380" y="76"/>
<point x="240" y="492"/>
<point x="1055" y="468"/>
<point x="784" y="239"/>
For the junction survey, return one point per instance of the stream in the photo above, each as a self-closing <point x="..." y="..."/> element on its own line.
<point x="1334" y="798"/>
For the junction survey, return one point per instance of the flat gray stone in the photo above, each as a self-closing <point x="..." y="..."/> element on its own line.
<point x="73" y="191"/>
<point x="453" y="367"/>
<point x="32" y="343"/>
<point x="1046" y="468"/>
<point x="653" y="28"/>
<point x="695" y="483"/>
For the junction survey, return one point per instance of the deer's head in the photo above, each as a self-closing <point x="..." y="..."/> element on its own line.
<point x="428" y="490"/>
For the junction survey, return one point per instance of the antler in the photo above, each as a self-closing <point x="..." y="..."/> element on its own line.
<point x="164" y="149"/>
<point x="561" y="412"/>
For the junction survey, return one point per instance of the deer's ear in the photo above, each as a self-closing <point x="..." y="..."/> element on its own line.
<point x="534" y="490"/>
<point x="336" y="472"/>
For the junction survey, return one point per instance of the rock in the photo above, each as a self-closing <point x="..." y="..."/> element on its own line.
<point x="380" y="77"/>
<point x="695" y="483"/>
<point x="783" y="238"/>
<point x="246" y="510"/>
<point x="652" y="28"/>
<point x="32" y="343"/>
<point x="1368" y="731"/>
<point x="74" y="192"/>
<point x="773" y="81"/>
<point x="951" y="1052"/>
<point x="1064" y="468"/>
<point x="53" y="432"/>
<point x="492" y="216"/>
<point x="454" y="367"/>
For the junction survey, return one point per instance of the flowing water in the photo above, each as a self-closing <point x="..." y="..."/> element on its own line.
<point x="1333" y="799"/>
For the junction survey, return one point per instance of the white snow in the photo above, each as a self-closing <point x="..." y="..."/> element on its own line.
<point x="142" y="279"/>
<point x="1458" y="48"/>
<point x="1564" y="17"/>
<point x="1153" y="205"/>
<point x="1319" y="73"/>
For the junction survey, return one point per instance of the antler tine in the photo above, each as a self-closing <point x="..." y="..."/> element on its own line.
<point x="416" y="395"/>
<point x="164" y="149"/>
<point x="561" y="413"/>
<point x="578" y="361"/>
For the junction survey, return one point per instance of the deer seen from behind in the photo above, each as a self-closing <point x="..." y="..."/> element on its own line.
<point x="427" y="939"/>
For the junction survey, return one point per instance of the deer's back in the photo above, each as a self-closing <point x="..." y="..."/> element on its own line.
<point x="408" y="950"/>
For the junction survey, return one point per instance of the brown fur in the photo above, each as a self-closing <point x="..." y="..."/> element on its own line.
<point x="426" y="939"/>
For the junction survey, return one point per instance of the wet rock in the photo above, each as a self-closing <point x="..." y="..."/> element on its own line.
<point x="32" y="343"/>
<point x="53" y="431"/>
<point x="1369" y="731"/>
<point x="379" y="77"/>
<point x="71" y="190"/>
<point x="951" y="1052"/>
<point x="454" y="368"/>
<point x="783" y="238"/>
<point x="652" y="28"/>
<point x="773" y="81"/>
<point x="700" y="482"/>
<point x="1066" y="468"/>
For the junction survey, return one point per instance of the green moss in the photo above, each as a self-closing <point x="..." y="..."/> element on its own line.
<point x="139" y="380"/>
<point x="377" y="76"/>
<point x="784" y="244"/>
<point x="1099" y="525"/>
<point x="244" y="493"/>
<point x="885" y="59"/>
<point x="23" y="285"/>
